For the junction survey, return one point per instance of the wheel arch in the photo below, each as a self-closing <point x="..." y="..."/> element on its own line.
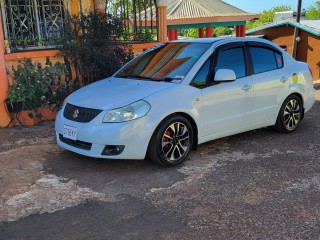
<point x="194" y="127"/>
<point x="192" y="122"/>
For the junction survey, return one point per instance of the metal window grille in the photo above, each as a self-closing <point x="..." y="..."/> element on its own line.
<point x="139" y="18"/>
<point x="32" y="22"/>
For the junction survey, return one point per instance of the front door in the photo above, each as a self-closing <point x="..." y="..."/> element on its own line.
<point x="226" y="106"/>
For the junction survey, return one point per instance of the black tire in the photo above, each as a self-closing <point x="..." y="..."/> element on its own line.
<point x="290" y="115"/>
<point x="171" y="142"/>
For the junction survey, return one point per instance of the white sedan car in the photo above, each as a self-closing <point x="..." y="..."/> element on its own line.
<point x="177" y="95"/>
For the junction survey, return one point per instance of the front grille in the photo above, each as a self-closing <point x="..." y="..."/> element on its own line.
<point x="76" y="143"/>
<point x="80" y="114"/>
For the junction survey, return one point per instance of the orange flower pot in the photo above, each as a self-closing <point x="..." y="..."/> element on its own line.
<point x="47" y="113"/>
<point x="26" y="120"/>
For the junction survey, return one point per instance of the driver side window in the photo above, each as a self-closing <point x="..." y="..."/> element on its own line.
<point x="232" y="59"/>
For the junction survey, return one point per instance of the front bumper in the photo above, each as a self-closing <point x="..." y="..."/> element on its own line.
<point x="134" y="135"/>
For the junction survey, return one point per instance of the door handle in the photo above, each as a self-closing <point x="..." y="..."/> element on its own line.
<point x="246" y="87"/>
<point x="283" y="79"/>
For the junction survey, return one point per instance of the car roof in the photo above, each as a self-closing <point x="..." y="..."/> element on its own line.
<point x="227" y="39"/>
<point x="200" y="40"/>
<point x="216" y="39"/>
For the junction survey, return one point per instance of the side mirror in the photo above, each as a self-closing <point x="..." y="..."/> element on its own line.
<point x="225" y="75"/>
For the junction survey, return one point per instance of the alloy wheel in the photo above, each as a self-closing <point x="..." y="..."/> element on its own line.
<point x="175" y="141"/>
<point x="292" y="114"/>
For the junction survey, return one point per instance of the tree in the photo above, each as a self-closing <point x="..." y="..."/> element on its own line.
<point x="217" y="32"/>
<point x="267" y="16"/>
<point x="192" y="33"/>
<point x="91" y="43"/>
<point x="222" y="31"/>
<point x="313" y="11"/>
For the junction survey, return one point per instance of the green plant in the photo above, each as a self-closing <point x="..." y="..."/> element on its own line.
<point x="267" y="16"/>
<point x="192" y="33"/>
<point x="24" y="42"/>
<point x="222" y="31"/>
<point x="313" y="11"/>
<point x="91" y="44"/>
<point x="37" y="86"/>
<point x="43" y="42"/>
<point x="145" y="36"/>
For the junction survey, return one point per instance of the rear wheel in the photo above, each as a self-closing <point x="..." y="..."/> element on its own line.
<point x="290" y="115"/>
<point x="171" y="142"/>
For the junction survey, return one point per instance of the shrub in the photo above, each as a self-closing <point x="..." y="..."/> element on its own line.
<point x="91" y="43"/>
<point x="37" y="86"/>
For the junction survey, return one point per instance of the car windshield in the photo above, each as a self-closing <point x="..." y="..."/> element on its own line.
<point x="164" y="62"/>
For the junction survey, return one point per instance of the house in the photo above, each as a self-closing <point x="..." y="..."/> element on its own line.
<point x="204" y="15"/>
<point x="282" y="33"/>
<point x="27" y="26"/>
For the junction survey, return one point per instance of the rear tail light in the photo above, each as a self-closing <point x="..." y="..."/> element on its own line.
<point x="310" y="71"/>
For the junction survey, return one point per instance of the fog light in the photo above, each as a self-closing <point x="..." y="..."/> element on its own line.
<point x="112" y="150"/>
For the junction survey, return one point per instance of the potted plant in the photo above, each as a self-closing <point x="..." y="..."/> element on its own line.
<point x="58" y="87"/>
<point x="24" y="42"/>
<point x="14" y="102"/>
<point x="36" y="86"/>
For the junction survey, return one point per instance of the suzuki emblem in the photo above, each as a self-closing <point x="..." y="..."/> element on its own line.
<point x="75" y="114"/>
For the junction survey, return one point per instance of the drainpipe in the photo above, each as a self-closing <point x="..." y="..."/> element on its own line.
<point x="296" y="31"/>
<point x="4" y="118"/>
<point x="162" y="6"/>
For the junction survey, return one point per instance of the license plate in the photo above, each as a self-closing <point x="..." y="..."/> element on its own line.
<point x="70" y="132"/>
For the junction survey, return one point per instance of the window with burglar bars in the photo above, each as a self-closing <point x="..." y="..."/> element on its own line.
<point x="139" y="17"/>
<point x="35" y="23"/>
<point x="32" y="22"/>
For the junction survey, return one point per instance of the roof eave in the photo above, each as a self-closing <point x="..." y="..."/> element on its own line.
<point x="212" y="19"/>
<point x="293" y="24"/>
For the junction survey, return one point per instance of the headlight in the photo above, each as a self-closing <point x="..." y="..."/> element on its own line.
<point x="127" y="113"/>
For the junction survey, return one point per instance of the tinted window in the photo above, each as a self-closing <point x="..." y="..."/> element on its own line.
<point x="263" y="59"/>
<point x="171" y="60"/>
<point x="200" y="80"/>
<point x="232" y="59"/>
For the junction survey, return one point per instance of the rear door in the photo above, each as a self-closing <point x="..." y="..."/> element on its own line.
<point x="270" y="80"/>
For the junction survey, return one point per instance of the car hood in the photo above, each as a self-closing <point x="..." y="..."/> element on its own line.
<point x="113" y="93"/>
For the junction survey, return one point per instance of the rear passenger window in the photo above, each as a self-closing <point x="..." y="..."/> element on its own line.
<point x="264" y="59"/>
<point x="232" y="59"/>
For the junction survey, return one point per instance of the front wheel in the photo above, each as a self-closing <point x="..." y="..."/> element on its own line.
<point x="290" y="115"/>
<point x="171" y="142"/>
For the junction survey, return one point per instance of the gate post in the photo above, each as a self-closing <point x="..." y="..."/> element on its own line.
<point x="162" y="20"/>
<point x="4" y="118"/>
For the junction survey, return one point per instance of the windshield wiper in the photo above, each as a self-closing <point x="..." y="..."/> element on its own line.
<point x="134" y="76"/>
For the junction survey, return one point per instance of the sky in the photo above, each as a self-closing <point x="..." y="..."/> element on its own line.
<point x="257" y="6"/>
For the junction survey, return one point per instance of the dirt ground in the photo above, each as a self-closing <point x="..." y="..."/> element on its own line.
<point x="255" y="185"/>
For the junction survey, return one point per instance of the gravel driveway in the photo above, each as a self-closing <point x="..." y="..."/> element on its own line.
<point x="255" y="185"/>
